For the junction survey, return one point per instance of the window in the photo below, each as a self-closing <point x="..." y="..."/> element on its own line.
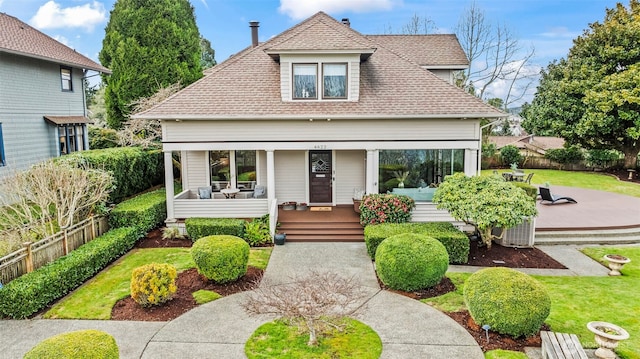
<point x="65" y="77"/>
<point x="71" y="138"/>
<point x="227" y="165"/>
<point x="305" y="80"/>
<point x="334" y="80"/>
<point x="246" y="169"/>
<point x="3" y="161"/>
<point x="220" y="174"/>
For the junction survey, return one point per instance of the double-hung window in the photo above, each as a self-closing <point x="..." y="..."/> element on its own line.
<point x="65" y="78"/>
<point x="334" y="81"/>
<point x="333" y="85"/>
<point x="305" y="81"/>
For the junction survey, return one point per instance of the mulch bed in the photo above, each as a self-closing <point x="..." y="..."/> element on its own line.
<point x="190" y="281"/>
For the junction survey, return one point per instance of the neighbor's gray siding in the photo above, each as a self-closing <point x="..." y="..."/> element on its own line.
<point x="30" y="89"/>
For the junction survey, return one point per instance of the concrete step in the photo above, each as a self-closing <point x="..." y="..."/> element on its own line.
<point x="601" y="236"/>
<point x="312" y="237"/>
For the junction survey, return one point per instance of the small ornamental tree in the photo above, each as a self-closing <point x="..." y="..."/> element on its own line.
<point x="510" y="154"/>
<point x="485" y="203"/>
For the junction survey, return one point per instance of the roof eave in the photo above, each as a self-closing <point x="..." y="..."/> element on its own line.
<point x="461" y="116"/>
<point x="103" y="70"/>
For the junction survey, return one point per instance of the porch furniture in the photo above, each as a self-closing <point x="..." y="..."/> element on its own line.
<point x="204" y="192"/>
<point x="259" y="191"/>
<point x="561" y="345"/>
<point x="528" y="178"/>
<point x="230" y="192"/>
<point x="545" y="194"/>
<point x="507" y="176"/>
<point x="517" y="176"/>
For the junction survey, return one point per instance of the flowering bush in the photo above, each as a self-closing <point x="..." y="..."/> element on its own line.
<point x="153" y="284"/>
<point x="385" y="208"/>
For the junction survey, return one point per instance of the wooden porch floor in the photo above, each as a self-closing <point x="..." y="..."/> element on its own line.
<point x="341" y="224"/>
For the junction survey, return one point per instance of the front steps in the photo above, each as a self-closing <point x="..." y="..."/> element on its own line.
<point x="592" y="236"/>
<point x="340" y="224"/>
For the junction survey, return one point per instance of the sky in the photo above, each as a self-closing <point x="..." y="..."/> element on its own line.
<point x="548" y="26"/>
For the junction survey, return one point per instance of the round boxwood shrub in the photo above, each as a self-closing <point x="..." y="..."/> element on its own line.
<point x="153" y="284"/>
<point x="221" y="258"/>
<point x="411" y="261"/>
<point x="81" y="344"/>
<point x="510" y="302"/>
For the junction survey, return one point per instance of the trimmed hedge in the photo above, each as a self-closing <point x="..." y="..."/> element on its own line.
<point x="411" y="261"/>
<point x="509" y="301"/>
<point x="145" y="211"/>
<point x="221" y="258"/>
<point x="202" y="227"/>
<point x="134" y="170"/>
<point x="532" y="191"/>
<point x="454" y="240"/>
<point x="33" y="291"/>
<point x="81" y="344"/>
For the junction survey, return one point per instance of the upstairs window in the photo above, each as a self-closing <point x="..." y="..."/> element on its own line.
<point x="334" y="81"/>
<point x="65" y="77"/>
<point x="305" y="81"/>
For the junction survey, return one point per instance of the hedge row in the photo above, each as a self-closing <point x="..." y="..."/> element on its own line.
<point x="134" y="170"/>
<point x="145" y="211"/>
<point x="455" y="241"/>
<point x="33" y="291"/>
<point x="203" y="227"/>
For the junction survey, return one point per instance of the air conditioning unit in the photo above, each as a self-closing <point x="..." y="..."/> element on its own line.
<point x="521" y="236"/>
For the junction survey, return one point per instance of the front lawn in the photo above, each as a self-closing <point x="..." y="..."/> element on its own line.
<point x="95" y="298"/>
<point x="589" y="180"/>
<point x="575" y="301"/>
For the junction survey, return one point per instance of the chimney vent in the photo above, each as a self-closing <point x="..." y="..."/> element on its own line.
<point x="345" y="21"/>
<point x="254" y="25"/>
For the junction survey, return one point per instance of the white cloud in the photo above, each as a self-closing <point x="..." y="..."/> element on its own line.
<point x="297" y="9"/>
<point x="52" y="16"/>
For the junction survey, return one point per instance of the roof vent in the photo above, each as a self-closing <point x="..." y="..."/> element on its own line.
<point x="345" y="21"/>
<point x="254" y="25"/>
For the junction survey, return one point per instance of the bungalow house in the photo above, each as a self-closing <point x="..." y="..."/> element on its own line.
<point x="42" y="100"/>
<point x="316" y="113"/>
<point x="529" y="145"/>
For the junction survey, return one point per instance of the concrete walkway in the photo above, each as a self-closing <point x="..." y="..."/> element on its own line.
<point x="408" y="328"/>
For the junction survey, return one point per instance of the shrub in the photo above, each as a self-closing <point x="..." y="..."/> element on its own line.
<point x="171" y="233"/>
<point x="385" y="208"/>
<point x="203" y="227"/>
<point x="566" y="155"/>
<point x="101" y="138"/>
<point x="510" y="154"/>
<point x="532" y="191"/>
<point x="411" y="261"/>
<point x="221" y="258"/>
<point x="511" y="302"/>
<point x="33" y="291"/>
<point x="602" y="158"/>
<point x="256" y="232"/>
<point x="81" y="344"/>
<point x="134" y="170"/>
<point x="146" y="211"/>
<point x="455" y="242"/>
<point x="153" y="284"/>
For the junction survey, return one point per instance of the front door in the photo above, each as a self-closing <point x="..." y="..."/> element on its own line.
<point x="320" y="177"/>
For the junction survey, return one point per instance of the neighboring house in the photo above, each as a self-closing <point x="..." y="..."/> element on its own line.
<point x="529" y="145"/>
<point x="316" y="113"/>
<point x="42" y="100"/>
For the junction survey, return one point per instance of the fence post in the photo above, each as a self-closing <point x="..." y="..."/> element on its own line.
<point x="29" y="258"/>
<point x="93" y="228"/>
<point x="65" y="241"/>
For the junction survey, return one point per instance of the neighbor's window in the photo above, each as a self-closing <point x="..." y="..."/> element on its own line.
<point x="334" y="80"/>
<point x="305" y="80"/>
<point x="65" y="77"/>
<point x="71" y="138"/>
<point x="3" y="161"/>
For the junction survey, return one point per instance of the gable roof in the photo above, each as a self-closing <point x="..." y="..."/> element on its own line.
<point x="431" y="51"/>
<point x="247" y="85"/>
<point x="16" y="37"/>
<point x="538" y="144"/>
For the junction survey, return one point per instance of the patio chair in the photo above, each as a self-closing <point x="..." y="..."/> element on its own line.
<point x="507" y="176"/>
<point x="528" y="178"/>
<point x="545" y="194"/>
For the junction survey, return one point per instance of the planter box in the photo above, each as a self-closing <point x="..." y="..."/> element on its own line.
<point x="301" y="207"/>
<point x="289" y="206"/>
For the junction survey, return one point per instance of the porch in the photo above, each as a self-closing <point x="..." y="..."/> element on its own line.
<point x="337" y="224"/>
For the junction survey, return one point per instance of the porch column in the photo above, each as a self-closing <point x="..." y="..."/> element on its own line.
<point x="271" y="177"/>
<point x="168" y="184"/>
<point x="371" y="175"/>
<point x="472" y="162"/>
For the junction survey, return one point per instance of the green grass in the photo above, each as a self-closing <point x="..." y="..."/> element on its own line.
<point x="278" y="340"/>
<point x="575" y="301"/>
<point x="95" y="298"/>
<point x="504" y="354"/>
<point x="589" y="180"/>
<point x="205" y="296"/>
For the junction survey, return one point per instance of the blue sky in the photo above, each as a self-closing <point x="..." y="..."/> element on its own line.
<point x="547" y="25"/>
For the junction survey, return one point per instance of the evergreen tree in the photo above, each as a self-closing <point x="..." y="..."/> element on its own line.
<point x="148" y="45"/>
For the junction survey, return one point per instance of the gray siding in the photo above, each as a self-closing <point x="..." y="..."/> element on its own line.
<point x="30" y="89"/>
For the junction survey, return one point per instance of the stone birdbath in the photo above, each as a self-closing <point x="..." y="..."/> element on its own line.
<point x="615" y="262"/>
<point x="607" y="336"/>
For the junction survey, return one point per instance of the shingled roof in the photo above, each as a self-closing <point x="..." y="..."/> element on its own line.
<point x="437" y="50"/>
<point x="18" y="38"/>
<point x="247" y="86"/>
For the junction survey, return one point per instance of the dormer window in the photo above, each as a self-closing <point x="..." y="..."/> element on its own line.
<point x="305" y="80"/>
<point x="334" y="81"/>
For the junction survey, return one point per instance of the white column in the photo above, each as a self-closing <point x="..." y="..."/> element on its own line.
<point x="168" y="183"/>
<point x="271" y="177"/>
<point x="471" y="162"/>
<point x="371" y="175"/>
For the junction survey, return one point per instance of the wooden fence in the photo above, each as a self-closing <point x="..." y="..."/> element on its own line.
<point x="36" y="254"/>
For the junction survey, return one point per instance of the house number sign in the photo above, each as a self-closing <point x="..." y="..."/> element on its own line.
<point x="319" y="147"/>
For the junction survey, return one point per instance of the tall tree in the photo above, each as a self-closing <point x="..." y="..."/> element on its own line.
<point x="148" y="44"/>
<point x="592" y="98"/>
<point x="208" y="57"/>
<point x="494" y="55"/>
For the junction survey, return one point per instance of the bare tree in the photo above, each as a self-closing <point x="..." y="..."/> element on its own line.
<point x="309" y="301"/>
<point x="418" y="25"/>
<point x="494" y="55"/>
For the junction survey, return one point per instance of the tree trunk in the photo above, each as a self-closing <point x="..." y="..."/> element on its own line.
<point x="631" y="158"/>
<point x="313" y="340"/>
<point x="486" y="236"/>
